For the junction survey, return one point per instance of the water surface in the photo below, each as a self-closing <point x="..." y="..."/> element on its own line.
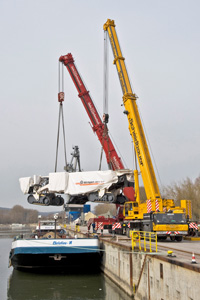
<point x="16" y="285"/>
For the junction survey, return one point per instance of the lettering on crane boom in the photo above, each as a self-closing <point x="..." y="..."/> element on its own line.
<point x="122" y="82"/>
<point x="115" y="162"/>
<point x="93" y="111"/>
<point x="76" y="75"/>
<point x="136" y="142"/>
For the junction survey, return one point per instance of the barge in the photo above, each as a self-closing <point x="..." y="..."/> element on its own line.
<point x="50" y="251"/>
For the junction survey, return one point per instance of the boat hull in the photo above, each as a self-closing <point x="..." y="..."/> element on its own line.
<point x="68" y="255"/>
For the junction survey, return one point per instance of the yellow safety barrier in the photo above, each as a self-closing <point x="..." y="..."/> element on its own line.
<point x="145" y="238"/>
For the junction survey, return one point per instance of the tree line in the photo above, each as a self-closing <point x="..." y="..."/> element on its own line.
<point x="21" y="215"/>
<point x="18" y="214"/>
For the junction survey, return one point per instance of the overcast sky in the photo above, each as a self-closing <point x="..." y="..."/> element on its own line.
<point x="160" y="41"/>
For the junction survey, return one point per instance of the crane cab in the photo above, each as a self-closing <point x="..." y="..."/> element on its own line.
<point x="131" y="210"/>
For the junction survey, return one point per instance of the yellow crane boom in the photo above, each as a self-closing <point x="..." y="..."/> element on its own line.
<point x="135" y="124"/>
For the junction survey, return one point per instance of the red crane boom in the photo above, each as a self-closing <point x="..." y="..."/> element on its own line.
<point x="113" y="160"/>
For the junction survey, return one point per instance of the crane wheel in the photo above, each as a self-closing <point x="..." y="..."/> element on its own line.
<point x="178" y="238"/>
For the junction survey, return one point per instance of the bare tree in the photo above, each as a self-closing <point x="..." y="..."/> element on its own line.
<point x="186" y="190"/>
<point x="18" y="215"/>
<point x="104" y="208"/>
<point x="143" y="196"/>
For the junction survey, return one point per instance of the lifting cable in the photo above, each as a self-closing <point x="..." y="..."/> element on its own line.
<point x="105" y="99"/>
<point x="61" y="115"/>
<point x="105" y="103"/>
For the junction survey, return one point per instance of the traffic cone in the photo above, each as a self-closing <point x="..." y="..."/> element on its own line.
<point x="193" y="259"/>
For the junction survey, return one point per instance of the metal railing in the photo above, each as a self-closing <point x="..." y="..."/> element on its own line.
<point x="144" y="239"/>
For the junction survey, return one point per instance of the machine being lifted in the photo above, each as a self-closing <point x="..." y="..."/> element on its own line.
<point x="157" y="214"/>
<point x="80" y="187"/>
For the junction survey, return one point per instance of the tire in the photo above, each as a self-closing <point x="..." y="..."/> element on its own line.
<point x="128" y="232"/>
<point x="178" y="238"/>
<point x="31" y="199"/>
<point x="162" y="238"/>
<point x="46" y="201"/>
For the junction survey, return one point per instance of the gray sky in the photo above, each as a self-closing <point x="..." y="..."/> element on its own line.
<point x="161" y="43"/>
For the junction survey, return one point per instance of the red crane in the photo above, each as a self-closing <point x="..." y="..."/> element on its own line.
<point x="113" y="160"/>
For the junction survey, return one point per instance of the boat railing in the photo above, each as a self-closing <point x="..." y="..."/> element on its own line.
<point x="43" y="235"/>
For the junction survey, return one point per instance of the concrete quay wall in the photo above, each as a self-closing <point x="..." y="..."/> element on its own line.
<point x="147" y="276"/>
<point x="144" y="276"/>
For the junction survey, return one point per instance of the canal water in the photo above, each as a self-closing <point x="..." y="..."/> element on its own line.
<point x="16" y="285"/>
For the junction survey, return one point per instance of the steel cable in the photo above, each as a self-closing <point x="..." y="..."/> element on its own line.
<point x="61" y="116"/>
<point x="58" y="135"/>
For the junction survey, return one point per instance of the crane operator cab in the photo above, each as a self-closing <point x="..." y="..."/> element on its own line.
<point x="131" y="209"/>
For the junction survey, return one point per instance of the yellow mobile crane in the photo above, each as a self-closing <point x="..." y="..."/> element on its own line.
<point x="157" y="214"/>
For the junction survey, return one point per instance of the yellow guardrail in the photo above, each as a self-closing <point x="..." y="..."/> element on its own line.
<point x="145" y="238"/>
